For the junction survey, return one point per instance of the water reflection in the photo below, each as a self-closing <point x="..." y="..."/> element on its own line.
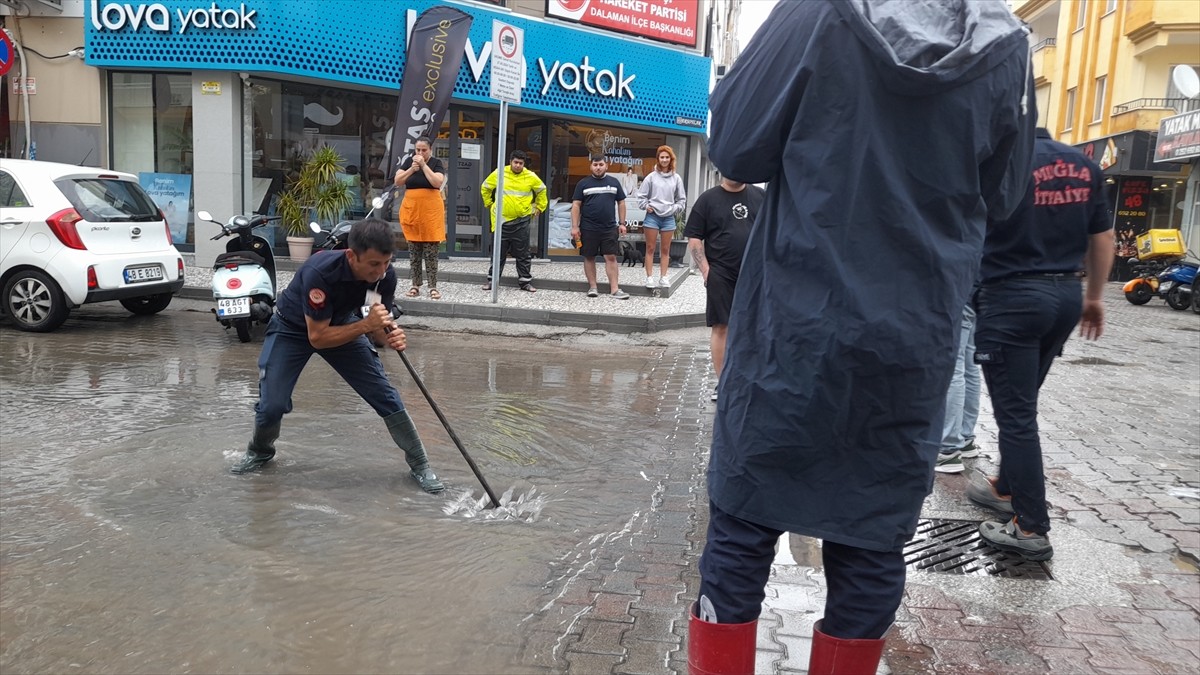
<point x="127" y="547"/>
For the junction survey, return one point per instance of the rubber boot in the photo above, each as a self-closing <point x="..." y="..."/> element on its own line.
<point x="721" y="648"/>
<point x="259" y="451"/>
<point x="404" y="433"/>
<point x="835" y="656"/>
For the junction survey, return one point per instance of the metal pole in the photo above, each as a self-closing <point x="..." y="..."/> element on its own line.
<point x="501" y="162"/>
<point x="449" y="430"/>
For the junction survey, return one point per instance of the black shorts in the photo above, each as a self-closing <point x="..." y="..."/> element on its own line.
<point x="720" y="298"/>
<point x="598" y="242"/>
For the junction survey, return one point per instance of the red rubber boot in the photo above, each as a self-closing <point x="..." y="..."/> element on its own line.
<point x="835" y="656"/>
<point x="721" y="648"/>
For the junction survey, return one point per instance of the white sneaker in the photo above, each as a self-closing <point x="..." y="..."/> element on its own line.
<point x="651" y="282"/>
<point x="663" y="283"/>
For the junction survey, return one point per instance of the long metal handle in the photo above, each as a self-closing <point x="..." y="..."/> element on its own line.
<point x="449" y="430"/>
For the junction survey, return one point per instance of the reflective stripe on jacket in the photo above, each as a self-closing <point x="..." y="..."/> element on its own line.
<point x="520" y="191"/>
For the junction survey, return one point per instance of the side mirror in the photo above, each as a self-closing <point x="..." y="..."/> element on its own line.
<point x="205" y="215"/>
<point x="377" y="203"/>
<point x="316" y="229"/>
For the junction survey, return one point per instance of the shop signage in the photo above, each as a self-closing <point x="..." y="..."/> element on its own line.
<point x="667" y="20"/>
<point x="1178" y="138"/>
<point x="573" y="77"/>
<point x="115" y="16"/>
<point x="1133" y="200"/>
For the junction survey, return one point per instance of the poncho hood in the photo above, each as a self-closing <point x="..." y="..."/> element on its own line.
<point x="930" y="45"/>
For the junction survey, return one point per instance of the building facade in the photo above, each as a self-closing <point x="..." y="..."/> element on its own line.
<point x="223" y="99"/>
<point x="1102" y="71"/>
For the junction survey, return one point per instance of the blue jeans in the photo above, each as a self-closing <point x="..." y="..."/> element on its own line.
<point x="864" y="587"/>
<point x="1023" y="325"/>
<point x="962" y="398"/>
<point x="286" y="350"/>
<point x="658" y="222"/>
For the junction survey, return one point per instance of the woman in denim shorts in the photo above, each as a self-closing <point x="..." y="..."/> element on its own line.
<point x="662" y="196"/>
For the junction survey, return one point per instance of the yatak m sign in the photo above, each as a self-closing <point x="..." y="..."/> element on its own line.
<point x="155" y="16"/>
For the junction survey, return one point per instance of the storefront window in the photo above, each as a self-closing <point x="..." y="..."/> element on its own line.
<point x="631" y="155"/>
<point x="291" y="120"/>
<point x="1167" y="203"/>
<point x="152" y="137"/>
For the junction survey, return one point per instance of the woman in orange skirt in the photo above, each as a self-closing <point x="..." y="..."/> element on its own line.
<point x="423" y="214"/>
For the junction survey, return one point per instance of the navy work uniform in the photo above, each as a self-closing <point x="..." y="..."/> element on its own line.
<point x="325" y="288"/>
<point x="1029" y="302"/>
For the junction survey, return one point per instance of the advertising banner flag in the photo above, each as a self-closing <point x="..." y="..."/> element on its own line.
<point x="431" y="63"/>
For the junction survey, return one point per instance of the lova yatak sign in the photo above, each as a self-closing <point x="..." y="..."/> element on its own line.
<point x="155" y="16"/>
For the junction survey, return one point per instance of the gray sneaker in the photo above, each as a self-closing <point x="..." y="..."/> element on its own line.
<point x="982" y="491"/>
<point x="949" y="462"/>
<point x="620" y="295"/>
<point x="1008" y="537"/>
<point x="593" y="293"/>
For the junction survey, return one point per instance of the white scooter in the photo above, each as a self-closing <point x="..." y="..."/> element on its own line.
<point x="243" y="281"/>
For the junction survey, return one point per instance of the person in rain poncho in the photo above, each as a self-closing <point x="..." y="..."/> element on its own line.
<point x="888" y="133"/>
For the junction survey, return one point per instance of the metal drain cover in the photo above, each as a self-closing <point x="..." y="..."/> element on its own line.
<point x="954" y="547"/>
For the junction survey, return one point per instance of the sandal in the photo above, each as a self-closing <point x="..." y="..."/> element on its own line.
<point x="413" y="292"/>
<point x="434" y="294"/>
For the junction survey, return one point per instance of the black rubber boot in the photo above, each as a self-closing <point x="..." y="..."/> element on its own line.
<point x="404" y="433"/>
<point x="259" y="451"/>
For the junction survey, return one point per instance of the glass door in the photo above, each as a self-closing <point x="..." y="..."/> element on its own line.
<point x="468" y="167"/>
<point x="532" y="135"/>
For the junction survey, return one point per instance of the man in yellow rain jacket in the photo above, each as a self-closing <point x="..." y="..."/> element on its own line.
<point x="524" y="199"/>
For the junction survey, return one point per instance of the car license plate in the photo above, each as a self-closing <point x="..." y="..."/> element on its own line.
<point x="1166" y="286"/>
<point x="134" y="275"/>
<point x="232" y="308"/>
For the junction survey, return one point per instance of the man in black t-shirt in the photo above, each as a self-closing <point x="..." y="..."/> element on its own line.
<point x="592" y="223"/>
<point x="1028" y="303"/>
<point x="717" y="231"/>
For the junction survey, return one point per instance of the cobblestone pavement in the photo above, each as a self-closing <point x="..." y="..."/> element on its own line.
<point x="1120" y="426"/>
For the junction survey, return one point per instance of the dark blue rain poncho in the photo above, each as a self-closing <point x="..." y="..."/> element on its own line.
<point x="889" y="132"/>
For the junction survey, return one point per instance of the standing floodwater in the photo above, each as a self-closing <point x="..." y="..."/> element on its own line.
<point x="127" y="547"/>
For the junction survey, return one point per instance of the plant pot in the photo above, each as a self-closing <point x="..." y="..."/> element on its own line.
<point x="300" y="248"/>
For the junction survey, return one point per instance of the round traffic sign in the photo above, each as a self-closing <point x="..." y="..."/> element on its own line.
<point x="7" y="53"/>
<point x="508" y="42"/>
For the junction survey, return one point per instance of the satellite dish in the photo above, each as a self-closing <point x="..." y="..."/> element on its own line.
<point x="1186" y="80"/>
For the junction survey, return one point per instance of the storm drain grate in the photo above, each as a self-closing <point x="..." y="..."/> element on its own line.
<point x="954" y="547"/>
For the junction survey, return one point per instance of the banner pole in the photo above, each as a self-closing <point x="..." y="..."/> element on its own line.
<point x="501" y="162"/>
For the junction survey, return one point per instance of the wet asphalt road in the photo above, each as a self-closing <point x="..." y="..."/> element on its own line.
<point x="127" y="547"/>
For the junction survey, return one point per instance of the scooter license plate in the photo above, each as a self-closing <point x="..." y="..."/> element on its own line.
<point x="1165" y="286"/>
<point x="233" y="308"/>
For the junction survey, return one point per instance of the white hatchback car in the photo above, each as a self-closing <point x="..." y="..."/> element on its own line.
<point x="72" y="235"/>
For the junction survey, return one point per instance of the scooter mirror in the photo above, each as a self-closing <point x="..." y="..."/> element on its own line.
<point x="377" y="202"/>
<point x="316" y="229"/>
<point x="204" y="215"/>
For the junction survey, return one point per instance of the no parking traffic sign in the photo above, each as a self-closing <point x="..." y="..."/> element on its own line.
<point x="7" y="53"/>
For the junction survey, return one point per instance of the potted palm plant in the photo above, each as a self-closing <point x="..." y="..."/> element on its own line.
<point x="315" y="193"/>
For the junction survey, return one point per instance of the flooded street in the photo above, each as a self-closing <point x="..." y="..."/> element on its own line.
<point x="127" y="547"/>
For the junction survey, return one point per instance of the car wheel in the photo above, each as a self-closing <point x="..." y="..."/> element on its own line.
<point x="34" y="301"/>
<point x="147" y="304"/>
<point x="242" y="326"/>
<point x="1140" y="294"/>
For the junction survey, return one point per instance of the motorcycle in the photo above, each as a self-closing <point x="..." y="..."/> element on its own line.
<point x="243" y="281"/>
<point x="337" y="238"/>
<point x="1175" y="284"/>
<point x="1171" y="280"/>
